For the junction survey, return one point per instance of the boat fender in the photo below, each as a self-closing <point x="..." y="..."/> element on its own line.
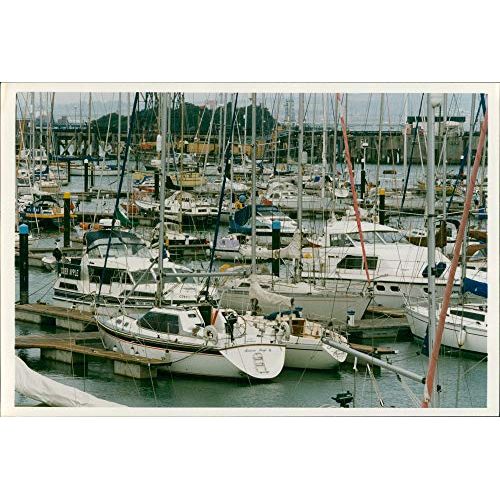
<point x="284" y="330"/>
<point x="462" y="337"/>
<point x="210" y="334"/>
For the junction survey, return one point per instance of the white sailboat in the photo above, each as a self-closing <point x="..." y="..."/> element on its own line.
<point x="466" y="326"/>
<point x="192" y="340"/>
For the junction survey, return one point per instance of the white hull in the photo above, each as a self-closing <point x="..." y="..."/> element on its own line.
<point x="456" y="336"/>
<point x="315" y="308"/>
<point x="389" y="293"/>
<point x="262" y="360"/>
<point x="312" y="357"/>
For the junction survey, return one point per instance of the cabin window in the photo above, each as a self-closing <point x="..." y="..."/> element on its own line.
<point x="368" y="237"/>
<point x="372" y="262"/>
<point x="392" y="237"/>
<point x="68" y="286"/>
<point x="340" y="240"/>
<point x="350" y="262"/>
<point x="165" y="323"/>
<point x="380" y="288"/>
<point x="108" y="275"/>
<point x="356" y="262"/>
<point x="244" y="285"/>
<point x="440" y="268"/>
<point x="467" y="314"/>
<point x="394" y="288"/>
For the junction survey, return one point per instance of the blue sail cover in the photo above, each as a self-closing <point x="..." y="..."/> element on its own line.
<point x="475" y="286"/>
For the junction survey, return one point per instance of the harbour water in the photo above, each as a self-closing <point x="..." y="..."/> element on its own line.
<point x="462" y="377"/>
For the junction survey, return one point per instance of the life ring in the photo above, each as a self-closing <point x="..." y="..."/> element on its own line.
<point x="210" y="334"/>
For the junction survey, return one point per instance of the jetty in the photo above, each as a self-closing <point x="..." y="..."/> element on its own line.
<point x="74" y="349"/>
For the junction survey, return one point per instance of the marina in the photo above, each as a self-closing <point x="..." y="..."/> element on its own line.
<point x="246" y="250"/>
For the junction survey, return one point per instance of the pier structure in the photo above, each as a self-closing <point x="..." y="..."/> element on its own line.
<point x="76" y="143"/>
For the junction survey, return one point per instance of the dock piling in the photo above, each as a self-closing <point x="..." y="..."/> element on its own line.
<point x="23" y="264"/>
<point x="276" y="237"/>
<point x="92" y="171"/>
<point x="85" y="175"/>
<point x="157" y="186"/>
<point x="67" y="211"/>
<point x="381" y="205"/>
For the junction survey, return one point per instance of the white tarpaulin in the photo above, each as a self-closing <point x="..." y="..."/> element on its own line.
<point x="48" y="391"/>
<point x="291" y="251"/>
<point x="265" y="297"/>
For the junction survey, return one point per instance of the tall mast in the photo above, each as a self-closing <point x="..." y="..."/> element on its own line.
<point x="325" y="139"/>
<point x="254" y="168"/>
<point x="41" y="128"/>
<point x="405" y="136"/>
<point x="299" y="177"/>
<point x="118" y="145"/>
<point x="224" y="118"/>
<point x="220" y="131"/>
<point x="161" y="237"/>
<point x="312" y="132"/>
<point x="289" y="118"/>
<point x="275" y="153"/>
<point x="89" y="152"/>
<point x="33" y="141"/>
<point x="245" y="134"/>
<point x="467" y="179"/>
<point x="431" y="225"/>
<point x="444" y="114"/>
<point x="336" y="124"/>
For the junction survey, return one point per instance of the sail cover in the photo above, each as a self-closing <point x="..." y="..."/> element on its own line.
<point x="265" y="297"/>
<point x="48" y="391"/>
<point x="291" y="251"/>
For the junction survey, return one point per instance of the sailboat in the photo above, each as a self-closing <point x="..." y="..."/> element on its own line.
<point x="465" y="325"/>
<point x="193" y="340"/>
<point x="317" y="301"/>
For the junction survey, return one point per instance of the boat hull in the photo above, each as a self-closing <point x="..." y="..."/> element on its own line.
<point x="260" y="361"/>
<point x="319" y="308"/>
<point x="466" y="338"/>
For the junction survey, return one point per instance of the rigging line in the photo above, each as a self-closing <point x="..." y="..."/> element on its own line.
<point x="408" y="391"/>
<point x="415" y="133"/>
<point x="463" y="161"/>
<point x="354" y="197"/>
<point x="375" y="386"/>
<point x="118" y="192"/>
<point x="222" y="192"/>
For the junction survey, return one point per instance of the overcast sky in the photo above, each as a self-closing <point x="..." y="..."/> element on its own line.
<point x="363" y="110"/>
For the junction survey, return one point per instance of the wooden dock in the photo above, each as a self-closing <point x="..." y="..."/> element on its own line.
<point x="71" y="349"/>
<point x="62" y="317"/>
<point x="380" y="328"/>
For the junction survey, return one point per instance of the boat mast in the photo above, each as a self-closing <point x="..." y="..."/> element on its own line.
<point x="289" y="119"/>
<point x="444" y="115"/>
<point x="313" y="126"/>
<point x="299" y="180"/>
<point x="165" y="104"/>
<point x="467" y="180"/>
<point x="33" y="141"/>
<point x="40" y="122"/>
<point x="432" y="102"/>
<point x="118" y="142"/>
<point x="405" y="135"/>
<point x="89" y="151"/>
<point x="323" y="152"/>
<point x="254" y="168"/>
